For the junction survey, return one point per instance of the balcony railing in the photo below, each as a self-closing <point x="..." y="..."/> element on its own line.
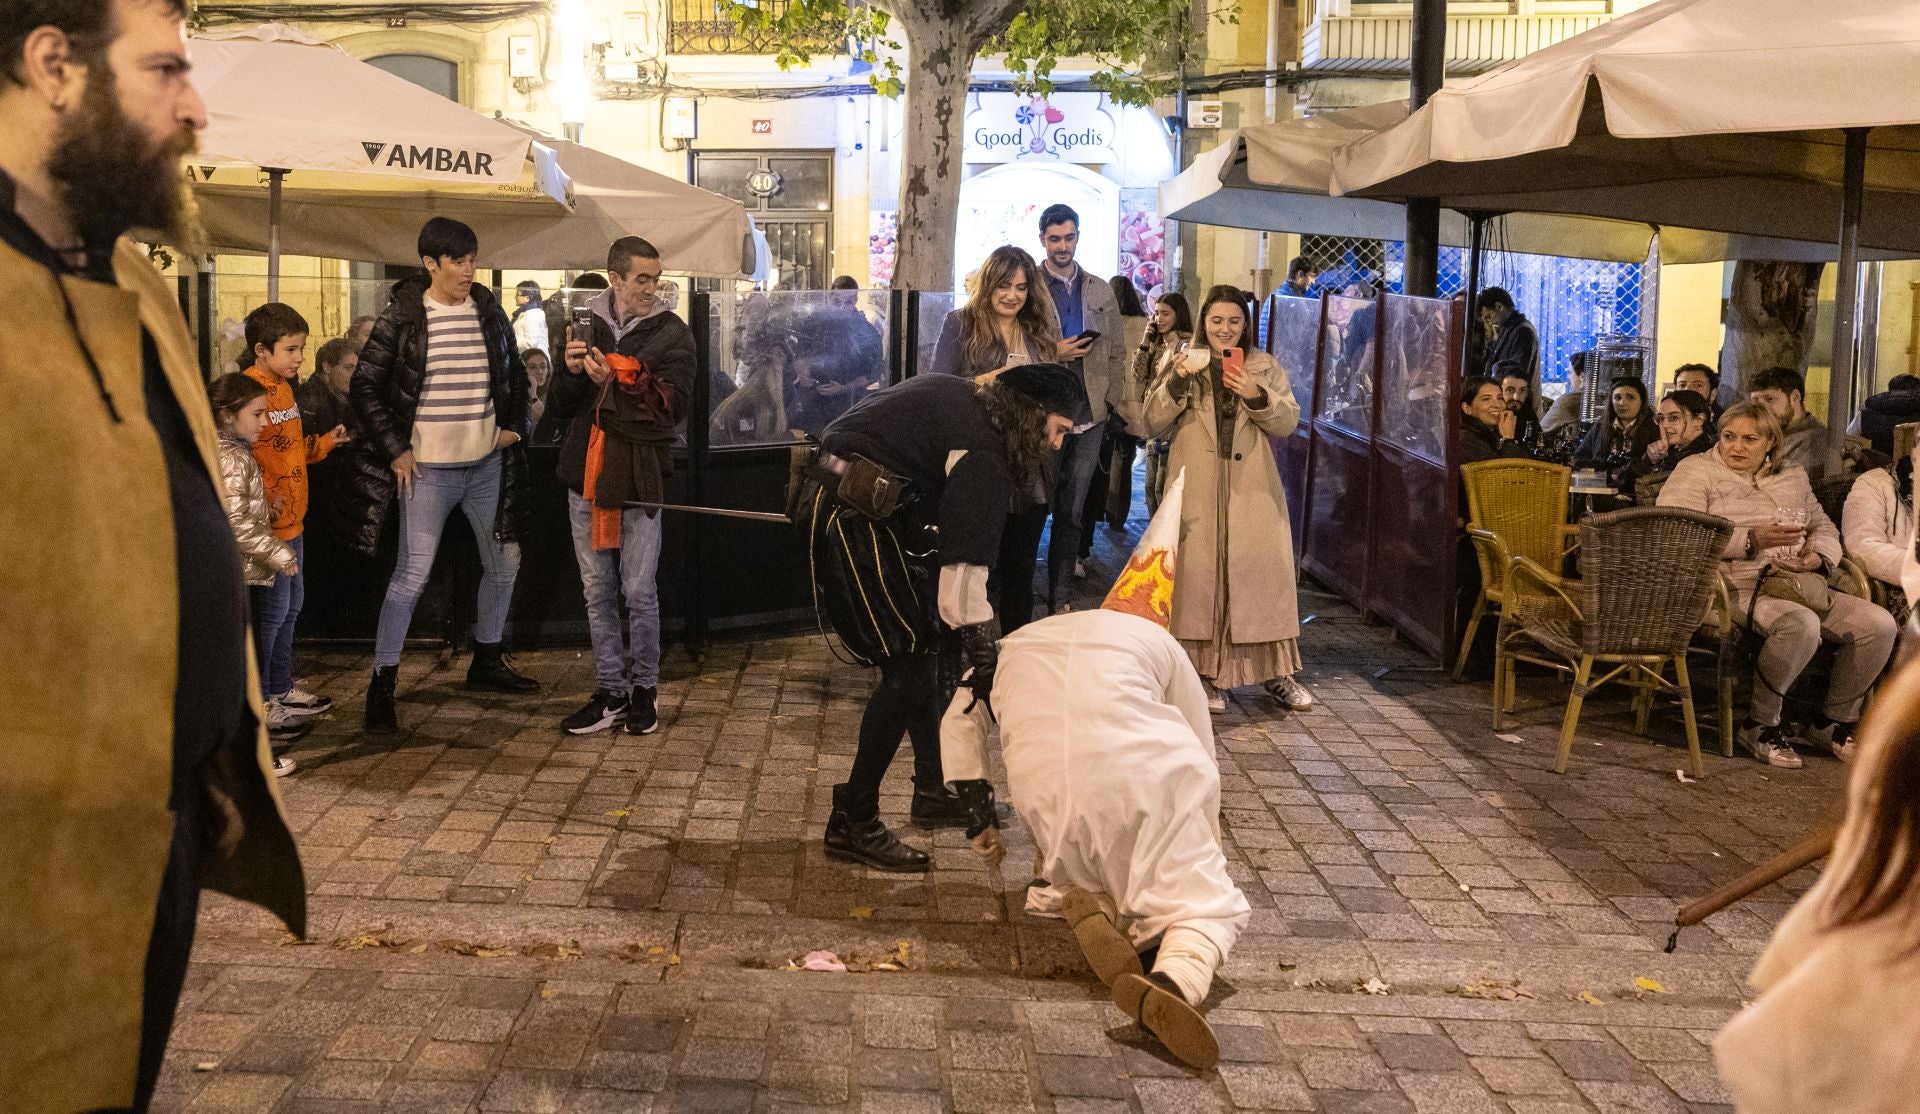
<point x="1378" y="38"/>
<point x="704" y="27"/>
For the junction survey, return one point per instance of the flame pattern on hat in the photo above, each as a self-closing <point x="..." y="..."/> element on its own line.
<point x="1145" y="586"/>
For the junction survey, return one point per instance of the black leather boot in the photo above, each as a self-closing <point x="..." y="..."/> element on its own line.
<point x="380" y="718"/>
<point x="492" y="672"/>
<point x="937" y="807"/>
<point x="856" y="835"/>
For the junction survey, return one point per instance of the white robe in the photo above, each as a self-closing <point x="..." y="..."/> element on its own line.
<point x="1109" y="751"/>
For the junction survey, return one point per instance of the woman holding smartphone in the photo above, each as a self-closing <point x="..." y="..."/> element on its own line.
<point x="1234" y="606"/>
<point x="1006" y="323"/>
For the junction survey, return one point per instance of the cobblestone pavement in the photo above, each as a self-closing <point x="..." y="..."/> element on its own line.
<point x="507" y="918"/>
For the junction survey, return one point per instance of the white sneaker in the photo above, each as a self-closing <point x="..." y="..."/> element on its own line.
<point x="280" y="717"/>
<point x="1823" y="738"/>
<point x="1768" y="745"/>
<point x="282" y="765"/>
<point x="1289" y="691"/>
<point x="1216" y="699"/>
<point x="299" y="702"/>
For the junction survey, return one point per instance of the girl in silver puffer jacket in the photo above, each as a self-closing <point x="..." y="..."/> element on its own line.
<point x="239" y="410"/>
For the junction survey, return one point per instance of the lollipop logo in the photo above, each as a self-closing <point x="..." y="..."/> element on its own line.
<point x="1037" y="127"/>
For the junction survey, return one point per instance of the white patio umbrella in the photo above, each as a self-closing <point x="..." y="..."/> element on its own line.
<point x="1760" y="117"/>
<point x="324" y="129"/>
<point x="1277" y="177"/>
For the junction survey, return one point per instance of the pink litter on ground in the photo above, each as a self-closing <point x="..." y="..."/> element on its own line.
<point x="823" y="961"/>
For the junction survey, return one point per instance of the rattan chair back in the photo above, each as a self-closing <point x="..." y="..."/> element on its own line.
<point x="1647" y="574"/>
<point x="1525" y="503"/>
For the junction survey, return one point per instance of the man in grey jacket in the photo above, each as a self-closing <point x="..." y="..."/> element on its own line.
<point x="1081" y="304"/>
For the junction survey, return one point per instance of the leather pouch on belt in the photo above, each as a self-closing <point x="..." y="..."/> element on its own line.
<point x="871" y="489"/>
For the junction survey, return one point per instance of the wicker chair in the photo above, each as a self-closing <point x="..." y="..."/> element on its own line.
<point x="1515" y="508"/>
<point x="1647" y="574"/>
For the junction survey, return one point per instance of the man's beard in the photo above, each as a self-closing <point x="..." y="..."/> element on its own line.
<point x="112" y="178"/>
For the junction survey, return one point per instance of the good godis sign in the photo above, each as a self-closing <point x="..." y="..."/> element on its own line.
<point x="1065" y="127"/>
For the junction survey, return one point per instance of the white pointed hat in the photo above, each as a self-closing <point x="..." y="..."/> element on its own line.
<point x="1145" y="586"/>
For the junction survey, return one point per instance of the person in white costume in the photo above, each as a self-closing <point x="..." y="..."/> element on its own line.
<point x="1109" y="752"/>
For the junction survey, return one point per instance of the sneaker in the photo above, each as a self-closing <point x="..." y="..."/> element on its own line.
<point x="642" y="719"/>
<point x="606" y="709"/>
<point x="1289" y="691"/>
<point x="1079" y="570"/>
<point x="282" y="765"/>
<point x="1767" y="744"/>
<point x="284" y="726"/>
<point x="1836" y="738"/>
<point x="1216" y="700"/>
<point x="281" y="737"/>
<point x="299" y="702"/>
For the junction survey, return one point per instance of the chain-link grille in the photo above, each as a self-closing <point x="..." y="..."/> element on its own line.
<point x="1571" y="302"/>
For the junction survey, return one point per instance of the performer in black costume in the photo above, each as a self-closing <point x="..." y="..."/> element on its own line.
<point x="902" y="509"/>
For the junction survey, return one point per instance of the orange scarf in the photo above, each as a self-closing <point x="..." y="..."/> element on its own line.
<point x="606" y="520"/>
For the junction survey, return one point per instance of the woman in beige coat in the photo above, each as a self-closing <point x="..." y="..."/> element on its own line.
<point x="1834" y="1028"/>
<point x="1234" y="607"/>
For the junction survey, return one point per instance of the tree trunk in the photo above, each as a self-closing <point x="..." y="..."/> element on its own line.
<point x="1769" y="320"/>
<point x="942" y="40"/>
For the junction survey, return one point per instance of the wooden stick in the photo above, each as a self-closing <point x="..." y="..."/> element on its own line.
<point x="1808" y="851"/>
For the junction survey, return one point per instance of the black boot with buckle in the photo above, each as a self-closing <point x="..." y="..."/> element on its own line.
<point x="937" y="807"/>
<point x="856" y="835"/>
<point x="491" y="671"/>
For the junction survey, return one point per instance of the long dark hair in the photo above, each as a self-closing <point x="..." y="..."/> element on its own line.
<point x="985" y="348"/>
<point x="1216" y="295"/>
<point x="1126" y="297"/>
<point x="1641" y="430"/>
<point x="1182" y="313"/>
<point x="230" y="393"/>
<point x="1875" y="868"/>
<point x="1023" y="422"/>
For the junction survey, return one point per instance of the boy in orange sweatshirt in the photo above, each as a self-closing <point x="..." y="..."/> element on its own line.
<point x="277" y="342"/>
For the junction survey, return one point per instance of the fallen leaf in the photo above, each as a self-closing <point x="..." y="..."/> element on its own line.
<point x="1684" y="779"/>
<point x="547" y="991"/>
<point x="417" y="949"/>
<point x="483" y="951"/>
<point x="860" y="912"/>
<point x="619" y="812"/>
<point x="1492" y="990"/>
<point x="568" y="950"/>
<point x="375" y="939"/>
<point x="1648" y="984"/>
<point x="1373" y="986"/>
<point x="656" y="950"/>
<point x="1510" y="738"/>
<point x="673" y="961"/>
<point x="1587" y="997"/>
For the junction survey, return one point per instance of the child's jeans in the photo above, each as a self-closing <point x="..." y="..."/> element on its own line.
<point x="275" y="609"/>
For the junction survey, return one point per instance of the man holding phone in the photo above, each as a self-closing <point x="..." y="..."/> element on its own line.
<point x="628" y="379"/>
<point x="1084" y="308"/>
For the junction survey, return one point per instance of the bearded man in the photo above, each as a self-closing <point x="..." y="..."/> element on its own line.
<point x="136" y="762"/>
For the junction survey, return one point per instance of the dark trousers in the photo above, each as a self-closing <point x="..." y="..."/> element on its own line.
<point x="171" y="943"/>
<point x="1010" y="583"/>
<point x="1120" y="455"/>
<point x="906" y="703"/>
<point x="1079" y="458"/>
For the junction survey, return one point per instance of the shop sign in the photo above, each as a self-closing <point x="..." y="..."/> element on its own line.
<point x="1066" y="127"/>
<point x="763" y="127"/>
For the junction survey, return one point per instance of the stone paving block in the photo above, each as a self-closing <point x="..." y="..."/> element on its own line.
<point x="1693" y="1082"/>
<point x="1597" y="1060"/>
<point x="373" y="1042"/>
<point x="1075" y="1076"/>
<point x="238" y="1092"/>
<point x="1654" y="1045"/>
<point x="982" y="1092"/>
<point x="1521" y="1076"/>
<point x="721" y="1058"/>
<point x="1630" y="1098"/>
<point x="1309" y="1030"/>
<point x="346" y="1080"/>
<point x="988" y="1051"/>
<point x="1362" y="1102"/>
<point x="1344" y="1070"/>
<point x="1446" y="1092"/>
<point x="1178" y="1096"/>
<point x="531" y="1092"/>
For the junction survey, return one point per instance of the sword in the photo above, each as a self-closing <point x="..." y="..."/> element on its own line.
<point x="720" y="512"/>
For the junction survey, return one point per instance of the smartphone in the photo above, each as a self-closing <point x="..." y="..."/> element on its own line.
<point x="582" y="318"/>
<point x="1233" y="359"/>
<point x="1088" y="335"/>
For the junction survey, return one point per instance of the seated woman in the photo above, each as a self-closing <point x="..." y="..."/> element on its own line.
<point x="1877" y="523"/>
<point x="1685" y="423"/>
<point x="1833" y="1027"/>
<point x="1487" y="426"/>
<point x="1742" y="481"/>
<point x="1612" y="444"/>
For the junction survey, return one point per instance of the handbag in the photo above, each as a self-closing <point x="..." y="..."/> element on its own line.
<point x="1808" y="589"/>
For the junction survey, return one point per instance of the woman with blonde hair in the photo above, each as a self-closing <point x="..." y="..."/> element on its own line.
<point x="1834" y="1027"/>
<point x="1783" y="547"/>
<point x="1006" y="323"/>
<point x="1234" y="606"/>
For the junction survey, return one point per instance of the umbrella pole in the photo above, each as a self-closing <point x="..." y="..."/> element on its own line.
<point x="1476" y="236"/>
<point x="275" y="179"/>
<point x="1845" y="296"/>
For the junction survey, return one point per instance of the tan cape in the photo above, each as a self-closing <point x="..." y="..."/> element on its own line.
<point x="88" y="635"/>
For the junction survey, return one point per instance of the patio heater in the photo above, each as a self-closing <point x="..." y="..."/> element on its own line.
<point x="1615" y="355"/>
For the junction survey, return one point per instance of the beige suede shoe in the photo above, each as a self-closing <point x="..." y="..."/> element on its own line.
<point x="1154" y="1002"/>
<point x="1108" y="952"/>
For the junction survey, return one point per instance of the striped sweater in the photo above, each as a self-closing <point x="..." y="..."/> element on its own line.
<point x="455" y="422"/>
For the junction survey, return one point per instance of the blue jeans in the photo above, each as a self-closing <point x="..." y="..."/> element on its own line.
<point x="1078" y="459"/>
<point x="609" y="575"/>
<point x="437" y="490"/>
<point x="275" y="608"/>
